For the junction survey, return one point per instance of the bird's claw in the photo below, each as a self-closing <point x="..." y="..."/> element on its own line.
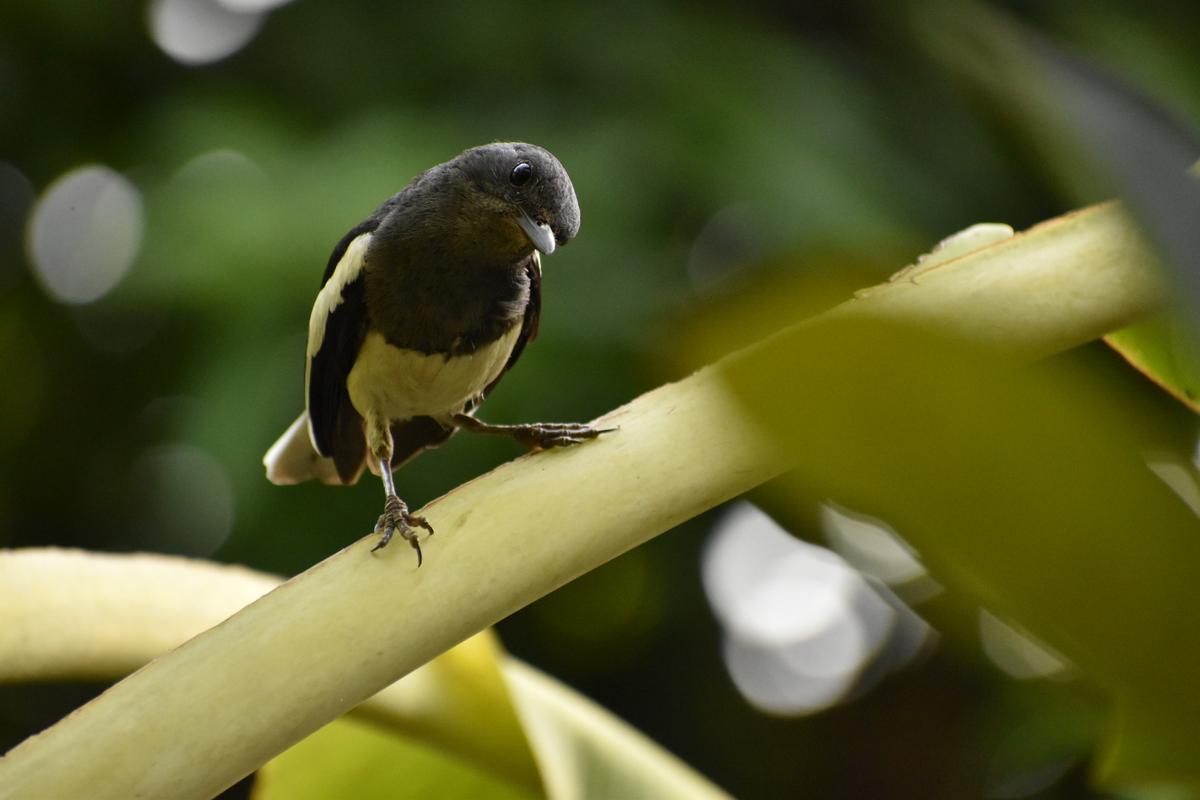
<point x="396" y="519"/>
<point x="544" y="435"/>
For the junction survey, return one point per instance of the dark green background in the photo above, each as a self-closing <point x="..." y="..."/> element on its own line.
<point x="745" y="140"/>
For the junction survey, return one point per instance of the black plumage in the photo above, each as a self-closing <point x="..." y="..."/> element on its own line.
<point x="423" y="307"/>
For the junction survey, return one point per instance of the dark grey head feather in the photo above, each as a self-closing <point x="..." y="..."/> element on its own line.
<point x="548" y="196"/>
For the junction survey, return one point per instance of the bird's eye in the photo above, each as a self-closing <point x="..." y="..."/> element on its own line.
<point x="521" y="174"/>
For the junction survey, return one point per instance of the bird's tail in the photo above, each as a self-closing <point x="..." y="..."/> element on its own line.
<point x="292" y="459"/>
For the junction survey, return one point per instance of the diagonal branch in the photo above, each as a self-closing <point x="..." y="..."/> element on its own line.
<point x="201" y="717"/>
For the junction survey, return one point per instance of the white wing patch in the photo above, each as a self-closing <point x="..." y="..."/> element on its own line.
<point x="328" y="299"/>
<point x="330" y="296"/>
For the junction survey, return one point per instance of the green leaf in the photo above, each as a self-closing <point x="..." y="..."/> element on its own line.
<point x="584" y="751"/>
<point x="1026" y="487"/>
<point x="349" y="758"/>
<point x="1040" y="506"/>
<point x="581" y="750"/>
<point x="1163" y="348"/>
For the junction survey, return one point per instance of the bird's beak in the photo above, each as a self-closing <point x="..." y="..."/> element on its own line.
<point x="539" y="233"/>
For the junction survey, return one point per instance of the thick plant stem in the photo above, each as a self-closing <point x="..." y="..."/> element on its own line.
<point x="196" y="720"/>
<point x="1058" y="285"/>
<point x="77" y="615"/>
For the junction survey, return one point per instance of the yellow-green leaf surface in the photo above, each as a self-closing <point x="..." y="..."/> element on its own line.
<point x="1164" y="349"/>
<point x="74" y="615"/>
<point x="1040" y="506"/>
<point x="584" y="752"/>
<point x="1024" y="485"/>
<point x="471" y="723"/>
<point x="350" y="758"/>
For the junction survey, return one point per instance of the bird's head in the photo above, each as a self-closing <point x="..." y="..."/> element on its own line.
<point x="527" y="183"/>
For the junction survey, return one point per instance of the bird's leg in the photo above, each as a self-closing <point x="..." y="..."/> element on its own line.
<point x="535" y="435"/>
<point x="395" y="517"/>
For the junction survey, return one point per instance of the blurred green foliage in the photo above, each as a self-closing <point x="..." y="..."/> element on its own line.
<point x="713" y="149"/>
<point x="1164" y="349"/>
<point x="1062" y="529"/>
<point x="352" y="753"/>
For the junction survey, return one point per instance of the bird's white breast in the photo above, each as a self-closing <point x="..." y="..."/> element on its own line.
<point x="394" y="383"/>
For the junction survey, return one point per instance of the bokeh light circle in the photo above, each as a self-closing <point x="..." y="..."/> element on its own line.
<point x="84" y="233"/>
<point x="189" y="501"/>
<point x="201" y="31"/>
<point x="802" y="629"/>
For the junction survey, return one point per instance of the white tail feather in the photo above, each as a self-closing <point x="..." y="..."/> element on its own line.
<point x="292" y="458"/>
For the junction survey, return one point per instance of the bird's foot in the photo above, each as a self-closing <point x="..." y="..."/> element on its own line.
<point x="535" y="435"/>
<point x="396" y="519"/>
<point x="544" y="435"/>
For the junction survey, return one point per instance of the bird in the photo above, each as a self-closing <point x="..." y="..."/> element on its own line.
<point x="423" y="307"/>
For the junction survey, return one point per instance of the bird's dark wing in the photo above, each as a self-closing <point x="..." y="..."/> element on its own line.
<point x="529" y="323"/>
<point x="412" y="436"/>
<point x="335" y="333"/>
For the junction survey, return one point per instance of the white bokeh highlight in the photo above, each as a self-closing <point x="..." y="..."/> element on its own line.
<point x="85" y="233"/>
<point x="221" y="162"/>
<point x="198" y="32"/>
<point x="1015" y="653"/>
<point x="800" y="624"/>
<point x="252" y="6"/>
<point x="870" y="545"/>
<point x="1179" y="475"/>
